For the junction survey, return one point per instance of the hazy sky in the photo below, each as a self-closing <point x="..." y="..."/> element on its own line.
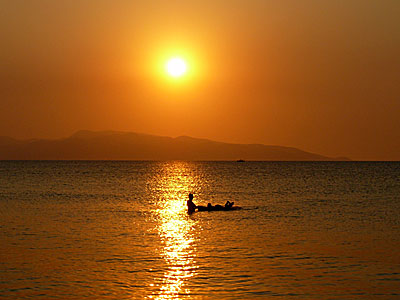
<point x="320" y="75"/>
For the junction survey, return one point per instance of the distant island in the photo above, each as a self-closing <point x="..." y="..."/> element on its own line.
<point x="114" y="145"/>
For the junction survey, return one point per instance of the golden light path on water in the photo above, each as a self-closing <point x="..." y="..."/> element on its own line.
<point x="177" y="229"/>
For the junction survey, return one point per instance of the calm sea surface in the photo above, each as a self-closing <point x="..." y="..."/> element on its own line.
<point x="119" y="230"/>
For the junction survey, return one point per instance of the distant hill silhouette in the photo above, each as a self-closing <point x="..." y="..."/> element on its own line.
<point x="113" y="145"/>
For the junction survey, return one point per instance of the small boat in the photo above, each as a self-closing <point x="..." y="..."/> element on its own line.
<point x="240" y="160"/>
<point x="217" y="208"/>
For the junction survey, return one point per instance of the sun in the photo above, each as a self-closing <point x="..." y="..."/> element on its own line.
<point x="176" y="67"/>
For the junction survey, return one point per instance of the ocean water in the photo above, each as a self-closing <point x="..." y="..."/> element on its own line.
<point x="119" y="230"/>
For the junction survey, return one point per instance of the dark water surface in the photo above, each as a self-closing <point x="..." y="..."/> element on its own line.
<point x="119" y="230"/>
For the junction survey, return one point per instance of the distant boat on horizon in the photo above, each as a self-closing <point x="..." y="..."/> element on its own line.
<point x="240" y="160"/>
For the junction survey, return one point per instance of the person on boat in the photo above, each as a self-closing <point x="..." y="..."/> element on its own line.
<point x="191" y="206"/>
<point x="229" y="204"/>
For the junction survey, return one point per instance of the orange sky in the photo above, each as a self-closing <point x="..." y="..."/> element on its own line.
<point x="323" y="76"/>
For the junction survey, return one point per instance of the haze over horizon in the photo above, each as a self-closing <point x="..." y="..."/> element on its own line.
<point x="322" y="76"/>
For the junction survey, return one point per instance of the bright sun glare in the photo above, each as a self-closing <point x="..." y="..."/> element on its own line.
<point x="176" y="67"/>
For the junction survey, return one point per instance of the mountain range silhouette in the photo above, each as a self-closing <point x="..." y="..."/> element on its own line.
<point x="114" y="145"/>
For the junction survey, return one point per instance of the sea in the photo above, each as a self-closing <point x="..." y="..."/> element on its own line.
<point x="120" y="230"/>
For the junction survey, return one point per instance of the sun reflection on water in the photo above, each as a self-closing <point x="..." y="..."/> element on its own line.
<point x="176" y="229"/>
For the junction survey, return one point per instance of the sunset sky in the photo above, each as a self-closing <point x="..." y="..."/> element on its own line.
<point x="319" y="75"/>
